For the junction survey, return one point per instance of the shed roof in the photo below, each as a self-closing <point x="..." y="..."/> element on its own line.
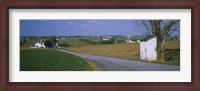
<point x="147" y="38"/>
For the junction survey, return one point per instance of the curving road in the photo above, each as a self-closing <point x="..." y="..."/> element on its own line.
<point x="116" y="64"/>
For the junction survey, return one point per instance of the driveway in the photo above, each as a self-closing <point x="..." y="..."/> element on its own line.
<point x="116" y="64"/>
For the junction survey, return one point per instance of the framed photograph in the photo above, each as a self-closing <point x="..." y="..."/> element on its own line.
<point x="100" y="45"/>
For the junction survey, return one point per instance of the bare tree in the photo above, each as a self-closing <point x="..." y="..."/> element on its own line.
<point x="161" y="29"/>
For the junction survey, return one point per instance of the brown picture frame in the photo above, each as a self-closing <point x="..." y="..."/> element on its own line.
<point x="103" y="4"/>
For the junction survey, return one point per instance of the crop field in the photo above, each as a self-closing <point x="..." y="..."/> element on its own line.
<point x="173" y="44"/>
<point x="128" y="51"/>
<point x="50" y="60"/>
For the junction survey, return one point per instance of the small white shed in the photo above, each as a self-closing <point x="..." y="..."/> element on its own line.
<point x="148" y="48"/>
<point x="39" y="45"/>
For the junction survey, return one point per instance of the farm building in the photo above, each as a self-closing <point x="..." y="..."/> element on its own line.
<point x="39" y="45"/>
<point x="130" y="41"/>
<point x="106" y="38"/>
<point x="148" y="48"/>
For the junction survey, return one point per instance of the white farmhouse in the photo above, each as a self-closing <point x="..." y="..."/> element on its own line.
<point x="148" y="48"/>
<point x="130" y="41"/>
<point x="39" y="45"/>
<point x="106" y="38"/>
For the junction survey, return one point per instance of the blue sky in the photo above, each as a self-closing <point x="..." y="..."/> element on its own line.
<point x="79" y="27"/>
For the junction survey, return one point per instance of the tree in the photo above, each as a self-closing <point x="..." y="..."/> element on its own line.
<point x="161" y="29"/>
<point x="48" y="43"/>
<point x="53" y="40"/>
<point x="24" y="40"/>
<point x="65" y="45"/>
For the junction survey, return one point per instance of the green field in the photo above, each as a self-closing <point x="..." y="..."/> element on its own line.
<point x="73" y="41"/>
<point x="129" y="51"/>
<point x="50" y="60"/>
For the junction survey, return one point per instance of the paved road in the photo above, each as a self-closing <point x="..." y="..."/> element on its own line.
<point x="116" y="64"/>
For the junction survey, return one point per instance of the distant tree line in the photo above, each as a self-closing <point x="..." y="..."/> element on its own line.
<point x="101" y="41"/>
<point x="23" y="41"/>
<point x="88" y="40"/>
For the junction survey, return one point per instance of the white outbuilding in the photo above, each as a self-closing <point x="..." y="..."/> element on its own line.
<point x="39" y="45"/>
<point x="148" y="48"/>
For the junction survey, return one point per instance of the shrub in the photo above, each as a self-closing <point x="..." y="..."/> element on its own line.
<point x="65" y="45"/>
<point x="120" y="41"/>
<point x="111" y="41"/>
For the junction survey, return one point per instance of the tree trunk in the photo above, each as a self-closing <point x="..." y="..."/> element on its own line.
<point x="160" y="41"/>
<point x="161" y="49"/>
<point x="158" y="49"/>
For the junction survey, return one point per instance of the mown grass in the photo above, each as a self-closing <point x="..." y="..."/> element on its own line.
<point x="129" y="51"/>
<point x="50" y="60"/>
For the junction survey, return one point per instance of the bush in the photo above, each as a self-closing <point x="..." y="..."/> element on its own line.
<point x="65" y="45"/>
<point x="107" y="42"/>
<point x="120" y="41"/>
<point x="59" y="44"/>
